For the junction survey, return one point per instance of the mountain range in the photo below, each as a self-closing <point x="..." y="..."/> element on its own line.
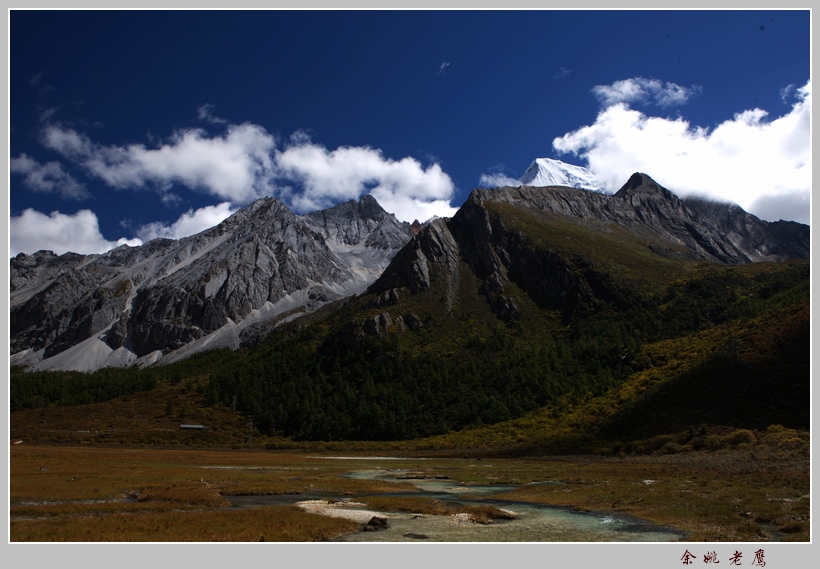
<point x="536" y="319"/>
<point x="170" y="298"/>
<point x="233" y="284"/>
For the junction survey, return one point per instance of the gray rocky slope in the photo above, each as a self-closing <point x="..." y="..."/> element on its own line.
<point x="170" y="298"/>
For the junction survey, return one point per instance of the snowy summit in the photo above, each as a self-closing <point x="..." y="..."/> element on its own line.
<point x="549" y="172"/>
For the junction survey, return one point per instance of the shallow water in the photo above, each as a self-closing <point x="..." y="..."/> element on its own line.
<point x="533" y="523"/>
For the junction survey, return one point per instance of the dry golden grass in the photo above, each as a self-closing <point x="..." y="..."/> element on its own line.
<point x="189" y="494"/>
<point x="284" y="523"/>
<point x="103" y="494"/>
<point x="145" y="418"/>
<point x="90" y="508"/>
<point x="44" y="473"/>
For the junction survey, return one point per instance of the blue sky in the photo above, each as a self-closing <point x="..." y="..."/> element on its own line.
<point x="129" y="125"/>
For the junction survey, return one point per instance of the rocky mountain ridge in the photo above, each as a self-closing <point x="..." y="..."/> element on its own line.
<point x="264" y="265"/>
<point x="138" y="304"/>
<point x="642" y="211"/>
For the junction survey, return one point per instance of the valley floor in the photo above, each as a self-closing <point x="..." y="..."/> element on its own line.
<point x="92" y="494"/>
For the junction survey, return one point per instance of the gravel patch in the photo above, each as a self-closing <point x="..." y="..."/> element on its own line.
<point x="342" y="509"/>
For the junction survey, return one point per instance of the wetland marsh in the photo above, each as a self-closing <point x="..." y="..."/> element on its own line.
<point x="86" y="494"/>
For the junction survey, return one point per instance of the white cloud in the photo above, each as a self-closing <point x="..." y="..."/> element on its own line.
<point x="641" y="90"/>
<point x="80" y="233"/>
<point x="33" y="231"/>
<point x="236" y="166"/>
<point x="786" y="205"/>
<point x="50" y="177"/>
<point x="170" y="199"/>
<point x="749" y="159"/>
<point x="407" y="208"/>
<point x="787" y="92"/>
<point x="189" y="223"/>
<point x="441" y="68"/>
<point x="402" y="187"/>
<point x="244" y="164"/>
<point x="497" y="180"/>
<point x="68" y="142"/>
<point x="206" y="113"/>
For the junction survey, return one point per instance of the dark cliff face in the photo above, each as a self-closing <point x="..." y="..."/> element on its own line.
<point x="723" y="231"/>
<point x="494" y="253"/>
<point x="642" y="214"/>
<point x="761" y="240"/>
<point x="67" y="301"/>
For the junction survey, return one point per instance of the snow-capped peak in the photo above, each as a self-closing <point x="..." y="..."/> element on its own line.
<point x="548" y="172"/>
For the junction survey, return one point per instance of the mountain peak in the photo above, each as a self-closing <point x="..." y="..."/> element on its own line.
<point x="261" y="208"/>
<point x="639" y="180"/>
<point x="370" y="207"/>
<point x="367" y="207"/>
<point x="640" y="183"/>
<point x="549" y="172"/>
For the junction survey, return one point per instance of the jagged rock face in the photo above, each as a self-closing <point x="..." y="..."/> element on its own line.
<point x="363" y="223"/>
<point x="168" y="293"/>
<point x="76" y="302"/>
<point x="496" y="254"/>
<point x="50" y="292"/>
<point x="30" y="273"/>
<point x="261" y="254"/>
<point x="435" y="245"/>
<point x="645" y="207"/>
<point x="779" y="240"/>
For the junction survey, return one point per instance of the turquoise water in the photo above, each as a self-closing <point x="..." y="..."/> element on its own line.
<point x="533" y="523"/>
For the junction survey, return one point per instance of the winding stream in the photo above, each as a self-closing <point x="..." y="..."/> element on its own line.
<point x="533" y="522"/>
